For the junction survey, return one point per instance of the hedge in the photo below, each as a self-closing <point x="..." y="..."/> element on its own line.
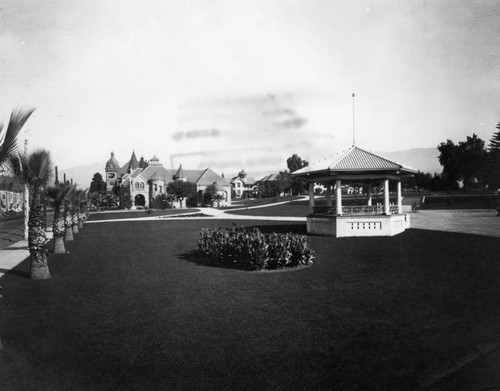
<point x="253" y="250"/>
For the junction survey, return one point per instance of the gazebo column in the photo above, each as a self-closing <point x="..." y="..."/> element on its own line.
<point x="369" y="195"/>
<point x="328" y="195"/>
<point x="400" y="198"/>
<point x="338" y="198"/>
<point x="386" y="197"/>
<point x="311" y="198"/>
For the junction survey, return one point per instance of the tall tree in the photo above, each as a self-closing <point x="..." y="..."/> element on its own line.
<point x="295" y="163"/>
<point x="35" y="170"/>
<point x="465" y="161"/>
<point x="493" y="164"/>
<point x="98" y="184"/>
<point x="181" y="190"/>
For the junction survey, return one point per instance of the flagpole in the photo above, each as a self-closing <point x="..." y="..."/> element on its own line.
<point x="353" y="122"/>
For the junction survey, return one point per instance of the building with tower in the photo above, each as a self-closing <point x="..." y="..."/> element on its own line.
<point x="138" y="183"/>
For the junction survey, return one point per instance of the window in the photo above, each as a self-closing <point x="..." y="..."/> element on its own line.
<point x="142" y="186"/>
<point x="136" y="186"/>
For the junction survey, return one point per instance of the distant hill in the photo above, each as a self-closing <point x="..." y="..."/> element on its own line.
<point x="82" y="175"/>
<point x="422" y="159"/>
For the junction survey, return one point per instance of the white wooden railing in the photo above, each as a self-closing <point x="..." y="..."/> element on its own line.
<point x="355" y="210"/>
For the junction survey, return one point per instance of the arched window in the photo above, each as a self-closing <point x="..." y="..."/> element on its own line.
<point x="136" y="186"/>
<point x="142" y="186"/>
<point x="159" y="188"/>
<point x="156" y="187"/>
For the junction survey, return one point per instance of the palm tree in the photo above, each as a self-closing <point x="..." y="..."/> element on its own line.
<point x="35" y="170"/>
<point x="8" y="137"/>
<point x="82" y="206"/>
<point x="68" y="218"/>
<point x="58" y="194"/>
<point x="75" y="210"/>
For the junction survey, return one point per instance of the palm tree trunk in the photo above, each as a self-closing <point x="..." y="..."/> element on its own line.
<point x="58" y="231"/>
<point x="74" y="217"/>
<point x="68" y="222"/>
<point x="39" y="267"/>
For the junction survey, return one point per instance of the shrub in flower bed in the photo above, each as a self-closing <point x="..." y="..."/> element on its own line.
<point x="253" y="250"/>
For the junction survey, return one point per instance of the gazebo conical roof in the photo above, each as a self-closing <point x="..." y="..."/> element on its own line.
<point x="354" y="162"/>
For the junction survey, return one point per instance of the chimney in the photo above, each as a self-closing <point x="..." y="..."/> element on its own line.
<point x="57" y="177"/>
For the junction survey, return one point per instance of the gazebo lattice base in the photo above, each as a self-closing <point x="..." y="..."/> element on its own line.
<point x="358" y="225"/>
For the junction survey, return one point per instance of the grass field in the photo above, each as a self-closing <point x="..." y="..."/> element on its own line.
<point x="132" y="307"/>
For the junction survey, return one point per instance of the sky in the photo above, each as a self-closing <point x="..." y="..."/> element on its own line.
<point x="237" y="85"/>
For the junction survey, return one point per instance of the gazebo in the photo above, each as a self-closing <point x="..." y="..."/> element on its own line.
<point x="356" y="165"/>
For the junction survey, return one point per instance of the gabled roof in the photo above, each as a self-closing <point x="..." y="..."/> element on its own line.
<point x="248" y="180"/>
<point x="354" y="160"/>
<point x="165" y="174"/>
<point x="268" y="178"/>
<point x="208" y="177"/>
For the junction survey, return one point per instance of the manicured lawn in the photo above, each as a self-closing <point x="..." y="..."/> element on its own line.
<point x="133" y="308"/>
<point x="134" y="214"/>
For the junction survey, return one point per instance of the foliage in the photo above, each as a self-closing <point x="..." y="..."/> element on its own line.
<point x="493" y="161"/>
<point x="143" y="163"/>
<point x="213" y="195"/>
<point x="269" y="189"/>
<point x="58" y="193"/>
<point x="8" y="136"/>
<point x="160" y="202"/>
<point x="181" y="190"/>
<point x="295" y="163"/>
<point x="98" y="184"/>
<point x="35" y="170"/>
<point x="464" y="161"/>
<point x="253" y="250"/>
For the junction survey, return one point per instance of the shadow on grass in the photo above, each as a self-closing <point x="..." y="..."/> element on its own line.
<point x="297" y="229"/>
<point x="16" y="272"/>
<point x="200" y="259"/>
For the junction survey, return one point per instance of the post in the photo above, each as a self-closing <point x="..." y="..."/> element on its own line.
<point x="369" y="194"/>
<point x="338" y="197"/>
<point x="311" y="198"/>
<point x="328" y="195"/>
<point x="400" y="198"/>
<point x="386" y="197"/>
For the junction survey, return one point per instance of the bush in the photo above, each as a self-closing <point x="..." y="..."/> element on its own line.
<point x="253" y="250"/>
<point x="160" y="202"/>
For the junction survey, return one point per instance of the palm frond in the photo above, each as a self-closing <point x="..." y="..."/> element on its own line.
<point x="34" y="169"/>
<point x="58" y="192"/>
<point x="8" y="136"/>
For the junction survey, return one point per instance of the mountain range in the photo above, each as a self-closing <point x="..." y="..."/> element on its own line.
<point x="422" y="159"/>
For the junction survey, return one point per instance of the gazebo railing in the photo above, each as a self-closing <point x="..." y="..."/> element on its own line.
<point x="355" y="210"/>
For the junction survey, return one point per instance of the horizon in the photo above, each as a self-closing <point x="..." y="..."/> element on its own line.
<point x="247" y="84"/>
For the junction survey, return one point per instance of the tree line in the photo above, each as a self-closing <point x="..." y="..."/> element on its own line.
<point x="469" y="164"/>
